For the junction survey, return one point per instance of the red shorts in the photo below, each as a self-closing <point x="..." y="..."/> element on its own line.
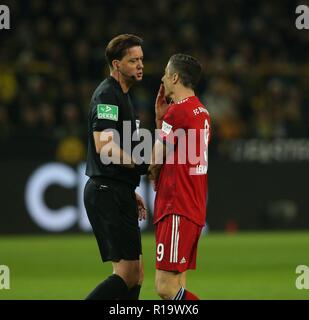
<point x="176" y="243"/>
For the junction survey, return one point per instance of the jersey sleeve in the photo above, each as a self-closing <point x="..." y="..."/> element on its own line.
<point x="173" y="122"/>
<point x="105" y="112"/>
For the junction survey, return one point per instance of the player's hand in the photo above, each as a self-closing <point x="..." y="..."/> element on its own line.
<point x="161" y="105"/>
<point x="142" y="209"/>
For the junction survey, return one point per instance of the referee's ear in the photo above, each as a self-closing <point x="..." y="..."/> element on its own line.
<point x="115" y="65"/>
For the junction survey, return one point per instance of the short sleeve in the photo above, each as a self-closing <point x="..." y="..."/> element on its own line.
<point x="172" y="123"/>
<point x="105" y="111"/>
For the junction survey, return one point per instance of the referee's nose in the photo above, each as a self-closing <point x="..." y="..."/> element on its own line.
<point x="140" y="64"/>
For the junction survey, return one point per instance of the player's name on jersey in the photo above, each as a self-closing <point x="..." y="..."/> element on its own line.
<point x="199" y="170"/>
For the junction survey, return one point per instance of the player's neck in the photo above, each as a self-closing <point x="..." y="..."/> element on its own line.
<point x="182" y="94"/>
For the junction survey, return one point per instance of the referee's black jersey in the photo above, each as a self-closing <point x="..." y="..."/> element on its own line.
<point x="109" y="107"/>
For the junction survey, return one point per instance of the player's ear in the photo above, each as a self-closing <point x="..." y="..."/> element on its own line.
<point x="175" y="78"/>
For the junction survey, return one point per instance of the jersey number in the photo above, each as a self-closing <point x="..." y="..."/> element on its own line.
<point x="206" y="139"/>
<point x="160" y="251"/>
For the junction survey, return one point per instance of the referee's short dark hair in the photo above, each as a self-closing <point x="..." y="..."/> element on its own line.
<point x="187" y="67"/>
<point x="117" y="47"/>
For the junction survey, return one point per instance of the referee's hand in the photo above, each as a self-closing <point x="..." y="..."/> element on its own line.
<point x="142" y="210"/>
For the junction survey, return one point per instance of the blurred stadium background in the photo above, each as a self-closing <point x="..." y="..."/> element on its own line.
<point x="255" y="85"/>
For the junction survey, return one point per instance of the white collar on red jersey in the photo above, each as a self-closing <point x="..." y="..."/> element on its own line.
<point x="185" y="100"/>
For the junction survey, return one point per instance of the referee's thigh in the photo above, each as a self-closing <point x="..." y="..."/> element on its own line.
<point x="112" y="213"/>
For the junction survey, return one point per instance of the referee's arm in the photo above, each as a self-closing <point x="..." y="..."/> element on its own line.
<point x="106" y="146"/>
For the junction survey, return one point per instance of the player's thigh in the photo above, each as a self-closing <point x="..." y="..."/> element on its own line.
<point x="176" y="243"/>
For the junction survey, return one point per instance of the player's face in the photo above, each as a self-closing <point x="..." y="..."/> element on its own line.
<point x="131" y="65"/>
<point x="167" y="82"/>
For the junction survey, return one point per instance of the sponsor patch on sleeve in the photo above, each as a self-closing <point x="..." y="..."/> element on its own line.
<point x="166" y="128"/>
<point x="107" y="112"/>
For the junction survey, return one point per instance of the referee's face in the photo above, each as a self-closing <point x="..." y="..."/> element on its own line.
<point x="131" y="65"/>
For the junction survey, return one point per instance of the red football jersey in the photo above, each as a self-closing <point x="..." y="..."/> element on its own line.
<point x="182" y="184"/>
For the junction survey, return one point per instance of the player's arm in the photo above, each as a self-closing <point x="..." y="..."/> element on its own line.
<point x="164" y="144"/>
<point x="157" y="159"/>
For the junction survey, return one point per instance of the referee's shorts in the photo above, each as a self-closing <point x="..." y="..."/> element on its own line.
<point x="112" y="211"/>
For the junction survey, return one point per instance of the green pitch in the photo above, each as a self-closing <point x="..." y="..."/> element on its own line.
<point x="229" y="266"/>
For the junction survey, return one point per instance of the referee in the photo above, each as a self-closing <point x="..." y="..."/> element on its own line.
<point x="113" y="207"/>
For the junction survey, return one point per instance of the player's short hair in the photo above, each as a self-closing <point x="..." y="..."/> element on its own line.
<point x="187" y="67"/>
<point x="118" y="46"/>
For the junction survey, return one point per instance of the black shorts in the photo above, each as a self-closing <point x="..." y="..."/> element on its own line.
<point x="112" y="211"/>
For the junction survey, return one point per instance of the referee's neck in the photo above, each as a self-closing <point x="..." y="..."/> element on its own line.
<point x="125" y="85"/>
